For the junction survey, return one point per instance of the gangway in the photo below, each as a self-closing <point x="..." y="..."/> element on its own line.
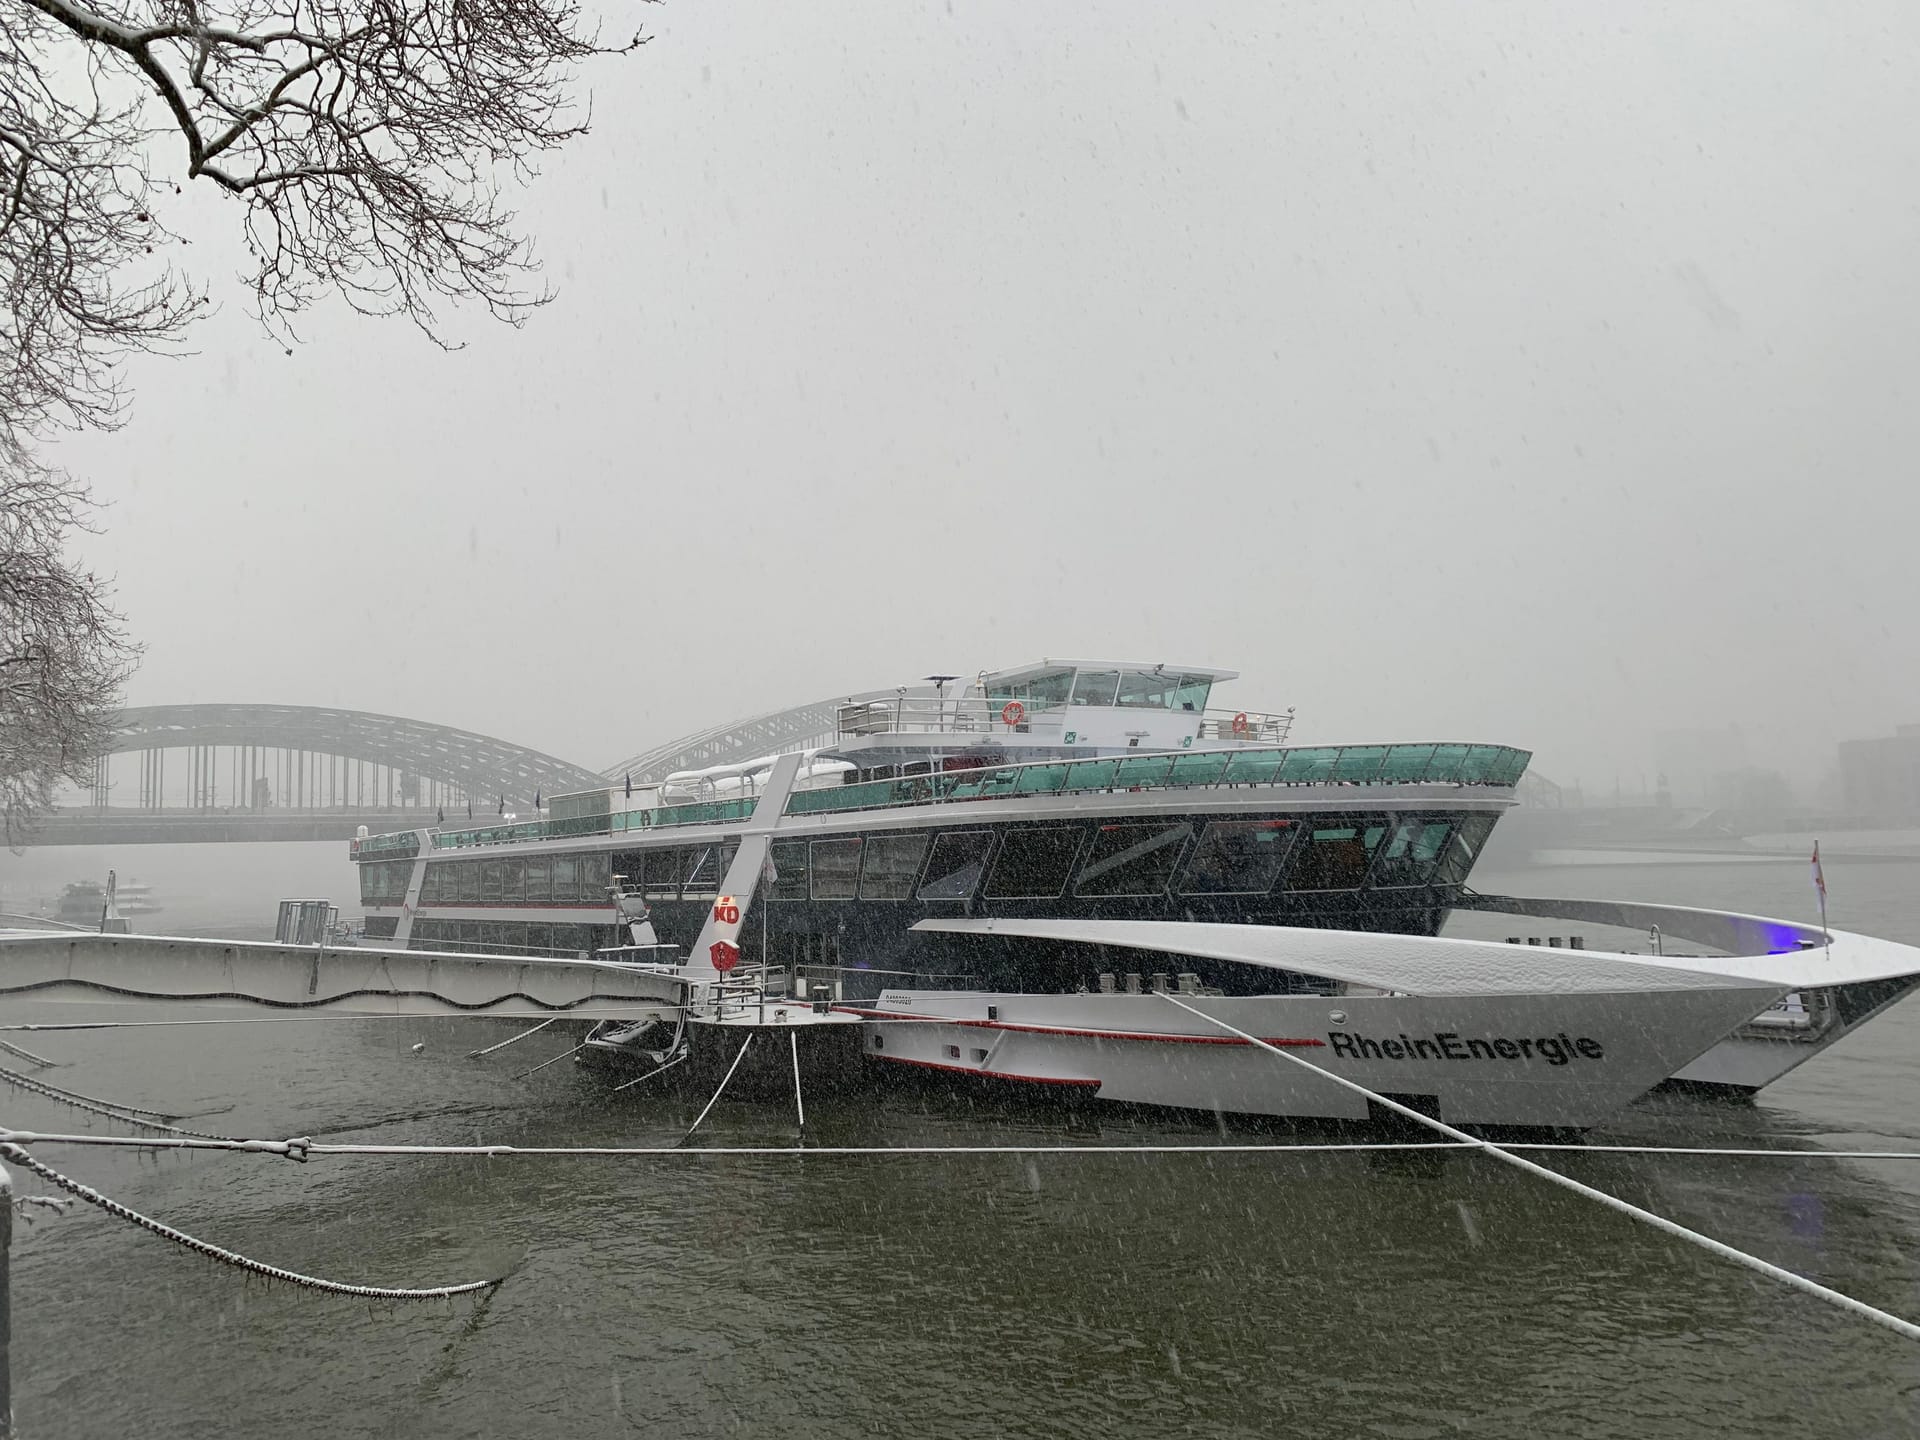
<point x="218" y="976"/>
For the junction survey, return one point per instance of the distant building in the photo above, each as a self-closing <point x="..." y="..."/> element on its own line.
<point x="1690" y="760"/>
<point x="1882" y="777"/>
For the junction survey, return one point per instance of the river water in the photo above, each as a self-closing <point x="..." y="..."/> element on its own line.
<point x="1112" y="1297"/>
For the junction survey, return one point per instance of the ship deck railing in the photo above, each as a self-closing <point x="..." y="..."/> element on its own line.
<point x="989" y="719"/>
<point x="1367" y="765"/>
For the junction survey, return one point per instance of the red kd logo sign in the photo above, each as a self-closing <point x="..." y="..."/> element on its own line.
<point x="725" y="955"/>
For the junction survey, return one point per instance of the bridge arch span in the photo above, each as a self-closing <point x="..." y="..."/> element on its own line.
<point x="316" y="756"/>
<point x="802" y="727"/>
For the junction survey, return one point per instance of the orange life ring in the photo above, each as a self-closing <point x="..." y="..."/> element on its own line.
<point x="1240" y="726"/>
<point x="1012" y="713"/>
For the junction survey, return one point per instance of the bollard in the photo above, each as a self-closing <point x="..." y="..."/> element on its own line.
<point x="6" y="1304"/>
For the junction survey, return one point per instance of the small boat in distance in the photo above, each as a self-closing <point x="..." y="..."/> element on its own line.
<point x="82" y="902"/>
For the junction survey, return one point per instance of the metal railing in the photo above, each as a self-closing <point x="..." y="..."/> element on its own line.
<point x="1249" y="726"/>
<point x="978" y="715"/>
<point x="705" y="812"/>
<point x="397" y="844"/>
<point x="1437" y="764"/>
<point x="920" y="715"/>
<point x="1440" y="764"/>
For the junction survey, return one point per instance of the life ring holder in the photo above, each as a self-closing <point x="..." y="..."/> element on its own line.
<point x="1012" y="713"/>
<point x="1240" y="726"/>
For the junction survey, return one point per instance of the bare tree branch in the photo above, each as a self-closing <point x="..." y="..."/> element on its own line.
<point x="63" y="651"/>
<point x="366" y="142"/>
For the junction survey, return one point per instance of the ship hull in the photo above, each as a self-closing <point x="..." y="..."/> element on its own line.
<point x="1521" y="1060"/>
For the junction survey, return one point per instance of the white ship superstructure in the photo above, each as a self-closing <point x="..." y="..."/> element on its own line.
<point x="1037" y="877"/>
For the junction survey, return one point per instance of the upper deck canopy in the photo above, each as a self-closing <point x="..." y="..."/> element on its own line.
<point x="1126" y="684"/>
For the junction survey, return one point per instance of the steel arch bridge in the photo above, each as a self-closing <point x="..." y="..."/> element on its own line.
<point x="802" y="727"/>
<point x="311" y="756"/>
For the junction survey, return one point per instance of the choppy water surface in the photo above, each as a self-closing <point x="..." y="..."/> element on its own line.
<point x="1239" y="1295"/>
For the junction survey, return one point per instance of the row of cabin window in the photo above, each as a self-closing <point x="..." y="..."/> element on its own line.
<point x="1231" y="857"/>
<point x="1129" y="689"/>
<point x="507" y="937"/>
<point x="531" y="880"/>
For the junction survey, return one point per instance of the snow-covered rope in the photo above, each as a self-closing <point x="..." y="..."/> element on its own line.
<point x="629" y="1084"/>
<point x="22" y="1158"/>
<point x="27" y="1055"/>
<point x="1612" y="1202"/>
<point x="740" y="1055"/>
<point x="554" y="1061"/>
<point x="129" y="1114"/>
<point x="302" y="1148"/>
<point x="476" y="1054"/>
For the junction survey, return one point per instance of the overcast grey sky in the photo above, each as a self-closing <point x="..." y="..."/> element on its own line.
<point x="1535" y="373"/>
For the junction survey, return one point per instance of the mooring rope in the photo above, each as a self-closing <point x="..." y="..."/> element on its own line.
<point x="302" y="1148"/>
<point x="18" y="1156"/>
<point x="27" y="1055"/>
<point x="554" y="1061"/>
<point x="629" y="1084"/>
<point x="476" y="1054"/>
<point x="740" y="1055"/>
<point x="129" y="1114"/>
<point x="1612" y="1202"/>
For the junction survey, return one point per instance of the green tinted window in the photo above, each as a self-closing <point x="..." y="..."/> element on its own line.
<point x="1237" y="857"/>
<point x="1481" y="763"/>
<point x="595" y="876"/>
<point x="1192" y="692"/>
<point x="1132" y="859"/>
<point x="1092" y="774"/>
<point x="890" y="865"/>
<point x="709" y="870"/>
<point x="1144" y="690"/>
<point x="1203" y="769"/>
<point x="1359" y="762"/>
<point x="1049" y="691"/>
<point x="1456" y="862"/>
<point x="1033" y="864"/>
<point x="789" y="870"/>
<point x="836" y="869"/>
<point x="1000" y="782"/>
<point x="1409" y="856"/>
<point x="1255" y="767"/>
<point x="1095" y="687"/>
<point x="1041" y="779"/>
<point x="1334" y="854"/>
<point x="1310" y="764"/>
<point x="953" y="873"/>
<point x="1148" y="770"/>
<point x="1445" y="765"/>
<point x="539" y="880"/>
<point x="1406" y="763"/>
<point x="1514" y="767"/>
